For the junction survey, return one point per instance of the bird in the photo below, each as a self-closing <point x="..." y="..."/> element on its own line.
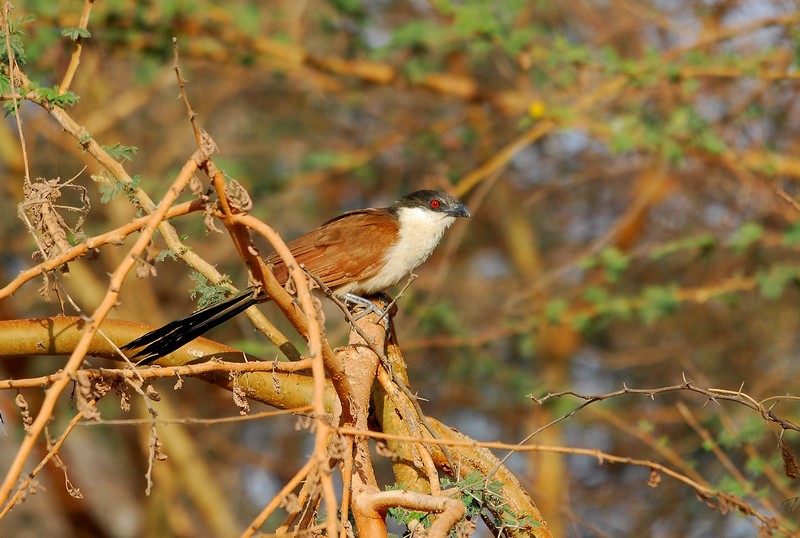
<point x="356" y="255"/>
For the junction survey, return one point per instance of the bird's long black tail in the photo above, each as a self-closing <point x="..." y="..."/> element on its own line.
<point x="173" y="335"/>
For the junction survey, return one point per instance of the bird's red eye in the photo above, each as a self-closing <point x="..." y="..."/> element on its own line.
<point x="435" y="204"/>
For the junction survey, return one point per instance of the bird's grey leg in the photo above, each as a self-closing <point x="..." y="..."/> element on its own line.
<point x="367" y="305"/>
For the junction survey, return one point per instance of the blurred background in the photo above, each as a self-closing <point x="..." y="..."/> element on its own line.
<point x="630" y="167"/>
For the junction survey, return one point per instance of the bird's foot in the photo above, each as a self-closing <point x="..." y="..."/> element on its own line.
<point x="367" y="306"/>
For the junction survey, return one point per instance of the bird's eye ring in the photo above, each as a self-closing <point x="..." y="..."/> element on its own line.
<point x="435" y="204"/>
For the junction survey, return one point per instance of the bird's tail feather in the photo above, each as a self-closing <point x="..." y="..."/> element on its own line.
<point x="173" y="335"/>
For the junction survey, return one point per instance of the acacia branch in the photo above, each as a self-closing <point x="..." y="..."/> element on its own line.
<point x="75" y="60"/>
<point x="109" y="301"/>
<point x="714" y="395"/>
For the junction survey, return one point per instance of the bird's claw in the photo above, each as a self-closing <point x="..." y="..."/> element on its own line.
<point x="368" y="307"/>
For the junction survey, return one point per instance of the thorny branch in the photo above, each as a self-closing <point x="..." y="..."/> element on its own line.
<point x="312" y="331"/>
<point x="713" y="395"/>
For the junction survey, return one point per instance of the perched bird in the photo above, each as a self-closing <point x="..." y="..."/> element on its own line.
<point x="356" y="255"/>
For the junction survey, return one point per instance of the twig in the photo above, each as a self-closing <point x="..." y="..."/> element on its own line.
<point x="278" y="499"/>
<point x="88" y="245"/>
<point x="189" y="421"/>
<point x="109" y="301"/>
<point x="713" y="395"/>
<point x="319" y="458"/>
<point x="706" y="494"/>
<point x="165" y="371"/>
<point x="74" y="421"/>
<point x="182" y="85"/>
<point x="13" y="73"/>
<point x="785" y="195"/>
<point x="75" y="61"/>
<point x="710" y="444"/>
<point x="411" y="278"/>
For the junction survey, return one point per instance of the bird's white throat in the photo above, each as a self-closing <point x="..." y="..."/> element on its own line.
<point x="420" y="232"/>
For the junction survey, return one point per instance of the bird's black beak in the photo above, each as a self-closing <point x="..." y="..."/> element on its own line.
<point x="459" y="210"/>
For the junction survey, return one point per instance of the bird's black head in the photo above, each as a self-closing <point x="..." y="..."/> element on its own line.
<point x="436" y="201"/>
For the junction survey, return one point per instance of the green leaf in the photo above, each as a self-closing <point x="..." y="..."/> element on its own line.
<point x="84" y="140"/>
<point x="477" y="19"/>
<point x="52" y="96"/>
<point x="581" y="323"/>
<point x="698" y="58"/>
<point x="596" y="295"/>
<point x="568" y="51"/>
<point x="209" y="293"/>
<point x="658" y="301"/>
<point x="746" y="235"/>
<point x="10" y="108"/>
<point x="755" y="465"/>
<point x="672" y="151"/>
<point x="421" y="33"/>
<point x="5" y="84"/>
<point x="610" y="59"/>
<point x="166" y="253"/>
<point x="248" y="18"/>
<point x="476" y="494"/>
<point x="622" y="141"/>
<point x="711" y="142"/>
<point x="751" y="430"/>
<point x="14" y="38"/>
<point x="795" y="36"/>
<point x="728" y="484"/>
<point x="614" y="263"/>
<point x="625" y="131"/>
<point x="517" y="40"/>
<point x="405" y="516"/>
<point x="110" y="187"/>
<point x="555" y="309"/>
<point x="791" y="236"/>
<point x="76" y="33"/>
<point x="120" y="152"/>
<point x="349" y="7"/>
<point x="526" y="345"/>
<point x="442" y="316"/>
<point x="679" y="123"/>
<point x="619" y="307"/>
<point x="588" y="262"/>
<point x="326" y="159"/>
<point x="66" y="99"/>
<point x="772" y="282"/>
<point x="702" y="242"/>
<point x="418" y="67"/>
<point x="690" y="86"/>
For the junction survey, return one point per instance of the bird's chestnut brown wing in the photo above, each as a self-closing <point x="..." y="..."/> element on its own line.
<point x="347" y="248"/>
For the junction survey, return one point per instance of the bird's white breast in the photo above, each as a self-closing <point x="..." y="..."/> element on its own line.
<point x="419" y="232"/>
